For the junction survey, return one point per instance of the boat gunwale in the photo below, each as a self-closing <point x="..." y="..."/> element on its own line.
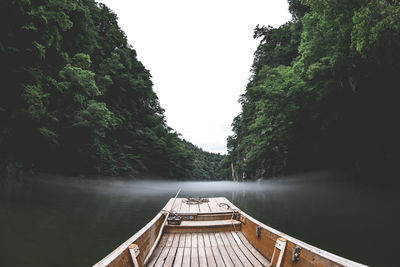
<point x="320" y="252"/>
<point x="323" y="253"/>
<point x="121" y="248"/>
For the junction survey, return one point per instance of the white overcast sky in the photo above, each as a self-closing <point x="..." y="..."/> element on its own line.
<point x="199" y="53"/>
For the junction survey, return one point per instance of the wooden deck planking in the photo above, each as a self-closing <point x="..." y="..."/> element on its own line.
<point x="203" y="207"/>
<point x="221" y="201"/>
<point x="253" y="251"/>
<point x="158" y="250"/>
<point x="171" y="254"/>
<point x="215" y="223"/>
<point x="177" y="205"/>
<point x="194" y="258"/>
<point x="239" y="253"/>
<point x="164" y="252"/>
<point x="188" y="240"/>
<point x="209" y="253"/>
<point x="224" y="253"/>
<point x="184" y="207"/>
<point x="182" y="240"/>
<point x="214" y="205"/>
<point x="206" y="250"/>
<point x="180" y="206"/>
<point x="186" y="257"/>
<point x="194" y="208"/>
<point x="201" y="250"/>
<point x="179" y="257"/>
<point x="245" y="250"/>
<point x="235" y="259"/>
<point x="215" y="250"/>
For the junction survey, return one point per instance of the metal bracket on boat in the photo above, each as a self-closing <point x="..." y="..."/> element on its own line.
<point x="242" y="219"/>
<point x="296" y="253"/>
<point x="174" y="219"/>
<point x="236" y="215"/>
<point x="258" y="231"/>
<point x="134" y="251"/>
<point x="280" y="245"/>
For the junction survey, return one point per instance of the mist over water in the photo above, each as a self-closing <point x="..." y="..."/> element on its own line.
<point x="55" y="221"/>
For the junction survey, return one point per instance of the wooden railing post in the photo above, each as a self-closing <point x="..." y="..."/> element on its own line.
<point x="279" y="245"/>
<point x="135" y="255"/>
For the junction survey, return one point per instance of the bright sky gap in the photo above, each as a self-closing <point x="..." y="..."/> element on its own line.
<point x="200" y="55"/>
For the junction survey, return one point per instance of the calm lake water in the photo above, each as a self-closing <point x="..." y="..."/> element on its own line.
<point x="52" y="221"/>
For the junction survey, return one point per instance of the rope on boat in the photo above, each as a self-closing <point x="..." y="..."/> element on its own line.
<point x="233" y="213"/>
<point x="195" y="200"/>
<point x="160" y="232"/>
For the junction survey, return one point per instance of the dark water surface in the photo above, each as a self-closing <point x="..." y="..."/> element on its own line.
<point x="76" y="222"/>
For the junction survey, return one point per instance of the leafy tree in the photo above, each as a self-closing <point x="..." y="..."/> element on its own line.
<point x="323" y="91"/>
<point x="75" y="98"/>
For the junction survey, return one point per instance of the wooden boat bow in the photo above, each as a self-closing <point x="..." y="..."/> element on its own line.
<point x="214" y="232"/>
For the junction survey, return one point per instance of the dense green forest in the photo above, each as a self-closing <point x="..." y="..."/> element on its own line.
<point x="324" y="92"/>
<point x="74" y="98"/>
<point x="208" y="166"/>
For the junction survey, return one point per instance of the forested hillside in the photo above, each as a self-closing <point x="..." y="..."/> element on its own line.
<point x="74" y="98"/>
<point x="208" y="166"/>
<point x="324" y="91"/>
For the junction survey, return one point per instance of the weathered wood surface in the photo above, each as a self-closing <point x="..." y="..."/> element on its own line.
<point x="215" y="223"/>
<point x="145" y="238"/>
<point x="207" y="237"/>
<point x="202" y="250"/>
<point x="310" y="256"/>
<point x="213" y="206"/>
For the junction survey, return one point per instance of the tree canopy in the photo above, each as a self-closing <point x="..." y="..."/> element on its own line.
<point x="75" y="99"/>
<point x="323" y="91"/>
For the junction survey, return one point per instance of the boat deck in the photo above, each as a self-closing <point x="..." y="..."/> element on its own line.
<point x="206" y="249"/>
<point x="214" y="205"/>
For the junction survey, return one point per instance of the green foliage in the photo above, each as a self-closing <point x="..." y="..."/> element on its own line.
<point x="322" y="91"/>
<point x="75" y="99"/>
<point x="207" y="166"/>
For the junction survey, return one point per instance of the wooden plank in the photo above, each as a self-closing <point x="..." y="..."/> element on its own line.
<point x="164" y="253"/>
<point x="214" y="205"/>
<point x="194" y="240"/>
<point x="168" y="206"/>
<point x="188" y="240"/>
<point x="186" y="251"/>
<point x="206" y="223"/>
<point x="222" y="249"/>
<point x="235" y="259"/>
<point x="194" y="256"/>
<point x="181" y="243"/>
<point x="210" y="257"/>
<point x="206" y="239"/>
<point x="253" y="251"/>
<point x="245" y="250"/>
<point x="194" y="208"/>
<point x="154" y="257"/>
<point x="223" y="203"/>
<point x="215" y="250"/>
<point x="177" y="205"/>
<point x="208" y="204"/>
<point x="202" y="252"/>
<point x="239" y="253"/>
<point x="186" y="257"/>
<point x="225" y="200"/>
<point x="172" y="251"/>
<point x="203" y="207"/>
<point x="144" y="238"/>
<point x="195" y="229"/>
<point x="178" y="257"/>
<point x="184" y="207"/>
